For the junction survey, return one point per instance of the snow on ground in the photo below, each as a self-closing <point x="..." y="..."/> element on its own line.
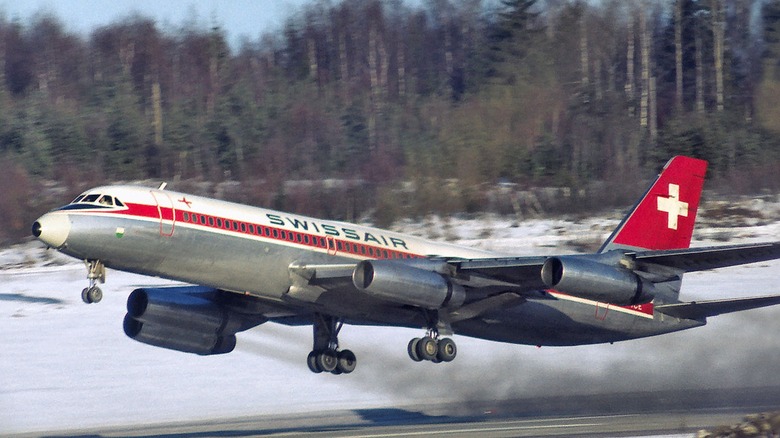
<point x="66" y="364"/>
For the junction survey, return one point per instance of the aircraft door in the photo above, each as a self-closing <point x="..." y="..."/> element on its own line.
<point x="166" y="211"/>
<point x="331" y="242"/>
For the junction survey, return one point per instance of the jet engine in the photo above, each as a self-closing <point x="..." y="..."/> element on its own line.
<point x="405" y="284"/>
<point x="597" y="281"/>
<point x="188" y="319"/>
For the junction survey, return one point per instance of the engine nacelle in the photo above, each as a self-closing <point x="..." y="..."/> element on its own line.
<point x="180" y="340"/>
<point x="185" y="319"/>
<point x="596" y="281"/>
<point x="400" y="283"/>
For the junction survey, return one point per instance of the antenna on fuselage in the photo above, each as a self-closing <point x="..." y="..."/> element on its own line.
<point x="162" y="186"/>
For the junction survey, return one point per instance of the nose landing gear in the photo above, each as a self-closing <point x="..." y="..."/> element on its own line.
<point x="96" y="272"/>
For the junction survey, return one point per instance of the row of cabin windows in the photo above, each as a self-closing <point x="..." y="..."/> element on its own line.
<point x="292" y="236"/>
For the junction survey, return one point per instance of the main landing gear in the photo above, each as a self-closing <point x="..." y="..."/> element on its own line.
<point x="96" y="272"/>
<point x="431" y="348"/>
<point x="325" y="356"/>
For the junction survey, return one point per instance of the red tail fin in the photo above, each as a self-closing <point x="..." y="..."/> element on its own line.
<point x="664" y="217"/>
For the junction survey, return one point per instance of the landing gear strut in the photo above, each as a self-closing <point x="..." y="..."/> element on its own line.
<point x="96" y="272"/>
<point x="431" y="347"/>
<point x="325" y="356"/>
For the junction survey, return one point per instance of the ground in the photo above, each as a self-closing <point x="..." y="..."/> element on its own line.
<point x="65" y="363"/>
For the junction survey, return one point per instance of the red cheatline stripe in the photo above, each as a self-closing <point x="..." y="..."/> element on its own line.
<point x="274" y="233"/>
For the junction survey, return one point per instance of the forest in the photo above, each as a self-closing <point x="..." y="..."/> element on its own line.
<point x="380" y="109"/>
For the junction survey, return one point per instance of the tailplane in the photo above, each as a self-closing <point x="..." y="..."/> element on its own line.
<point x="664" y="218"/>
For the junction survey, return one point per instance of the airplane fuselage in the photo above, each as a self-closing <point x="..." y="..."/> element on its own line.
<point x="249" y="251"/>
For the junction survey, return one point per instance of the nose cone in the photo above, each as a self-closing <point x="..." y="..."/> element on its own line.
<point x="52" y="229"/>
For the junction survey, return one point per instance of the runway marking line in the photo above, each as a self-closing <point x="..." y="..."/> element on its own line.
<point x="517" y="425"/>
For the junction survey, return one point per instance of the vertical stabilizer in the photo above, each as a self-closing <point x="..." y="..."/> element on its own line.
<point x="665" y="216"/>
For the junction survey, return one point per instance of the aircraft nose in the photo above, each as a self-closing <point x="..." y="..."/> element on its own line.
<point x="52" y="229"/>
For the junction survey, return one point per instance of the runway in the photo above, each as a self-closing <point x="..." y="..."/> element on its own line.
<point x="668" y="413"/>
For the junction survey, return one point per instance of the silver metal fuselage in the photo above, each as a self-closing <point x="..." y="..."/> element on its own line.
<point x="249" y="250"/>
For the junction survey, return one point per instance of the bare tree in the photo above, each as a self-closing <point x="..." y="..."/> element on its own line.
<point x="678" y="56"/>
<point x="629" y="85"/>
<point x="718" y="30"/>
<point x="699" y="67"/>
<point x="644" y="35"/>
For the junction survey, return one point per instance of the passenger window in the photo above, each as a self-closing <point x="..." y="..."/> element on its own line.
<point x="186" y="216"/>
<point x="243" y="227"/>
<point x="219" y="223"/>
<point x="211" y="221"/>
<point x="251" y="229"/>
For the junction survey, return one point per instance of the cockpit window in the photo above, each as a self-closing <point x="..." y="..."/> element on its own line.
<point x="97" y="198"/>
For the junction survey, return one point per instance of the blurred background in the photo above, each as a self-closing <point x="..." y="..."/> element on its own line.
<point x="375" y="110"/>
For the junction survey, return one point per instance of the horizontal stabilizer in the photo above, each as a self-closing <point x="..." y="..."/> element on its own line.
<point x="704" y="309"/>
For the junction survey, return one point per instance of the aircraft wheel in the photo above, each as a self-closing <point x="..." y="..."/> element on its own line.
<point x="412" y="350"/>
<point x="346" y="362"/>
<point x="327" y="361"/>
<point x="427" y="348"/>
<point x="94" y="294"/>
<point x="447" y="350"/>
<point x="85" y="296"/>
<point x="311" y="361"/>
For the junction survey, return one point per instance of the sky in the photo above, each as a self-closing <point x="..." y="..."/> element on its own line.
<point x="241" y="19"/>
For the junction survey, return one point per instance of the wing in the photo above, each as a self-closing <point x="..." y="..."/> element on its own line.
<point x="704" y="309"/>
<point x="477" y="286"/>
<point x="700" y="259"/>
<point x="519" y="272"/>
<point x="526" y="271"/>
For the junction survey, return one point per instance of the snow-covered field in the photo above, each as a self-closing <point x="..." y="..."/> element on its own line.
<point x="65" y="364"/>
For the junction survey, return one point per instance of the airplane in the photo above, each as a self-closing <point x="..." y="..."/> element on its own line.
<point x="242" y="266"/>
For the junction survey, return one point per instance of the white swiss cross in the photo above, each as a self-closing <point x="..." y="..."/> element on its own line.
<point x="673" y="206"/>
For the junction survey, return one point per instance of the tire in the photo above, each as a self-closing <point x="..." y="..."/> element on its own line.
<point x="412" y="350"/>
<point x="85" y="296"/>
<point x="427" y="348"/>
<point x="346" y="362"/>
<point x="95" y="294"/>
<point x="447" y="350"/>
<point x="327" y="361"/>
<point x="311" y="361"/>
